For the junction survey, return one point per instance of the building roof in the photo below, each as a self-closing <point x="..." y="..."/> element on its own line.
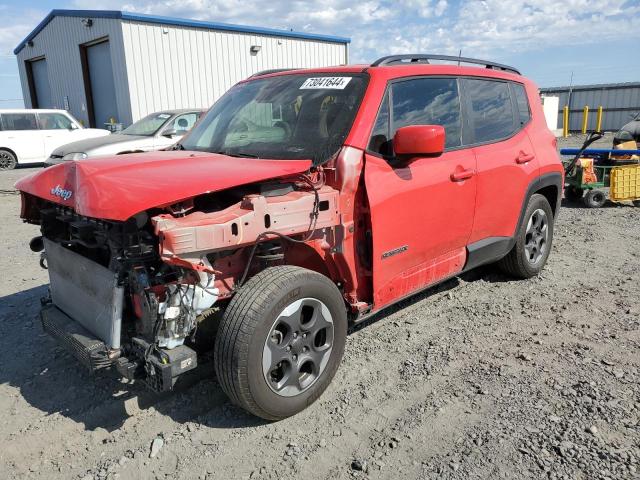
<point x="181" y="22"/>
<point x="596" y="86"/>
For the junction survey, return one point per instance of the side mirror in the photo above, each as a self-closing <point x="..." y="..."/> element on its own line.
<point x="170" y="133"/>
<point x="419" y="141"/>
<point x="73" y="126"/>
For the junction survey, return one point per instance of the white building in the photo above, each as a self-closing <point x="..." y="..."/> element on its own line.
<point x="102" y="64"/>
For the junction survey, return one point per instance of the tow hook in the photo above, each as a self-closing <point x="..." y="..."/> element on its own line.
<point x="43" y="261"/>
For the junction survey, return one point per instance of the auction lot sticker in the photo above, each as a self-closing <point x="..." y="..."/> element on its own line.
<point x="335" y="83"/>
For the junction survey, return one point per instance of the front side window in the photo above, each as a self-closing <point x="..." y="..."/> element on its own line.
<point x="182" y="123"/>
<point x="422" y="101"/>
<point x="147" y="126"/>
<point x="281" y="117"/>
<point x="54" y="121"/>
<point x="381" y="138"/>
<point x="491" y="109"/>
<point x="19" y="121"/>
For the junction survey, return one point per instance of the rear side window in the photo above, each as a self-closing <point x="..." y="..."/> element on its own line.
<point x="421" y="101"/>
<point x="522" y="102"/>
<point x="19" y="121"/>
<point x="492" y="116"/>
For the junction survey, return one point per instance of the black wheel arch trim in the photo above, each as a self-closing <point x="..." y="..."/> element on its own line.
<point x="492" y="249"/>
<point x="552" y="179"/>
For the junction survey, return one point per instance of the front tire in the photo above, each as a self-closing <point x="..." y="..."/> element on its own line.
<point x="280" y="341"/>
<point x="534" y="238"/>
<point x="8" y="160"/>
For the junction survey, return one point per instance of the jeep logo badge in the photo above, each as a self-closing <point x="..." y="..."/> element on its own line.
<point x="61" y="192"/>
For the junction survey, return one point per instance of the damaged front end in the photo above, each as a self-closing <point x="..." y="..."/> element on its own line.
<point x="114" y="302"/>
<point x="134" y="294"/>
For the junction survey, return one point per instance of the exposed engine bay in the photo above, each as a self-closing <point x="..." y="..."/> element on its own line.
<point x="132" y="294"/>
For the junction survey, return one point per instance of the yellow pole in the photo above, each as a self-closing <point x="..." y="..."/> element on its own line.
<point x="585" y="118"/>
<point x="565" y="121"/>
<point x="599" y="119"/>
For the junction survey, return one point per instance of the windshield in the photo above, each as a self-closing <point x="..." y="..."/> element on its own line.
<point x="147" y="126"/>
<point x="283" y="117"/>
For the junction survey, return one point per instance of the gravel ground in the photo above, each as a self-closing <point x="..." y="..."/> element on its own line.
<point x="482" y="377"/>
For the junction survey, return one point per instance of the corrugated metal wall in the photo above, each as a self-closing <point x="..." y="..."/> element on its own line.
<point x="618" y="102"/>
<point x="59" y="43"/>
<point x="180" y="67"/>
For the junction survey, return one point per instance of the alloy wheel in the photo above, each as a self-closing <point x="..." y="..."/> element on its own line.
<point x="298" y="347"/>
<point x="536" y="236"/>
<point x="7" y="162"/>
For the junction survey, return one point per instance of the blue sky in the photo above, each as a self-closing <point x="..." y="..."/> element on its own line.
<point x="545" y="39"/>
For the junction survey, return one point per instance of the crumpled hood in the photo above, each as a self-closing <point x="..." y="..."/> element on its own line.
<point x="88" y="145"/>
<point x="116" y="188"/>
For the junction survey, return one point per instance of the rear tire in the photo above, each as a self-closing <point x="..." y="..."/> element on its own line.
<point x="573" y="194"/>
<point x="636" y="203"/>
<point x="594" y="199"/>
<point x="533" y="241"/>
<point x="280" y="341"/>
<point x="8" y="160"/>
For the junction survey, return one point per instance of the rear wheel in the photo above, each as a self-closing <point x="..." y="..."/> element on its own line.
<point x="573" y="194"/>
<point x="594" y="199"/>
<point x="8" y="160"/>
<point x="280" y="341"/>
<point x="636" y="203"/>
<point x="533" y="240"/>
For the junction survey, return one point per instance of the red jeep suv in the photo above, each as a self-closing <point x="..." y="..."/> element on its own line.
<point x="304" y="200"/>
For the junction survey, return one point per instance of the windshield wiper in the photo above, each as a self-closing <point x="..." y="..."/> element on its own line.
<point x="178" y="146"/>
<point x="236" y="154"/>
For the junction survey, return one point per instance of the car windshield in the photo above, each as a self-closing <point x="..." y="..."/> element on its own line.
<point x="147" y="126"/>
<point x="282" y="117"/>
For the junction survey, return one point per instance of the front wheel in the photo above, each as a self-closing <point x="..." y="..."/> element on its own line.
<point x="280" y="341"/>
<point x="8" y="160"/>
<point x="533" y="240"/>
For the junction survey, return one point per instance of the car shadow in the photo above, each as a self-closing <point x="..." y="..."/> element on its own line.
<point x="577" y="204"/>
<point x="487" y="273"/>
<point x="54" y="382"/>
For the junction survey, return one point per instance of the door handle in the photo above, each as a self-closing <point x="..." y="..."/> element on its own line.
<point x="524" y="157"/>
<point x="462" y="175"/>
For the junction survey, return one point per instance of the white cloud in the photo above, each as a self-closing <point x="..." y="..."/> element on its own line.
<point x="17" y="25"/>
<point x="380" y="27"/>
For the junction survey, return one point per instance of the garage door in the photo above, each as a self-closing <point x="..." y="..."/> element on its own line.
<point x="102" y="87"/>
<point x="41" y="88"/>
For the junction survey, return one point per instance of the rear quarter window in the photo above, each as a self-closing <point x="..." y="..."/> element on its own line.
<point x="19" y="121"/>
<point x="522" y="102"/>
<point x="491" y="110"/>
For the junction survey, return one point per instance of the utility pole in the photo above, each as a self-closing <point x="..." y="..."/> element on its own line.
<point x="570" y="90"/>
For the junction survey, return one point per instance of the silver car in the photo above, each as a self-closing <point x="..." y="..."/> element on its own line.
<point x="154" y="132"/>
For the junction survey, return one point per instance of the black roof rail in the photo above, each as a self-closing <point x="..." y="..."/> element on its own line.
<point x="273" y="70"/>
<point x="424" y="58"/>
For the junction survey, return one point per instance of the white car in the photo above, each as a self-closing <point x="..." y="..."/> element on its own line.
<point x="30" y="136"/>
<point x="153" y="132"/>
